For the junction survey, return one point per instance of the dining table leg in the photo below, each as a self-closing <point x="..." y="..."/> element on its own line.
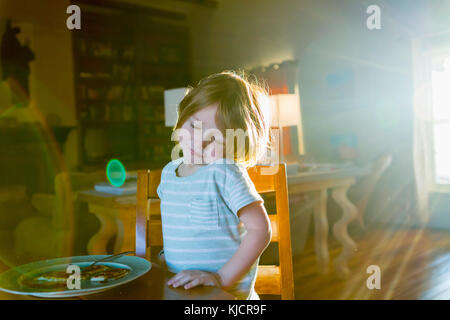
<point x="125" y="220"/>
<point x="321" y="230"/>
<point x="108" y="228"/>
<point x="349" y="213"/>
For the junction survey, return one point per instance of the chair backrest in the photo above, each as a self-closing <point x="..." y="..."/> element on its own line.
<point x="273" y="280"/>
<point x="148" y="212"/>
<point x="276" y="280"/>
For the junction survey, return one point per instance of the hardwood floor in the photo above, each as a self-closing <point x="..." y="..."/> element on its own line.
<point x="414" y="264"/>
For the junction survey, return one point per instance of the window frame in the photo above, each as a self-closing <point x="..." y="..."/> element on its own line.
<point x="434" y="186"/>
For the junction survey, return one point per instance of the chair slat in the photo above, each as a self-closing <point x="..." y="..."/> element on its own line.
<point x="154" y="207"/>
<point x="274" y="223"/>
<point x="268" y="280"/>
<point x="142" y="213"/>
<point x="263" y="182"/>
<point x="155" y="233"/>
<point x="154" y="180"/>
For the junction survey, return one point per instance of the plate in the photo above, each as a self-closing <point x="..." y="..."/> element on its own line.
<point x="10" y="280"/>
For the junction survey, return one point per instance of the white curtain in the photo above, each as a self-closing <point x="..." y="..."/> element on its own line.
<point x="422" y="146"/>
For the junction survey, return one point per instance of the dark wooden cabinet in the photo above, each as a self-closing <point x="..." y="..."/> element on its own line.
<point x="123" y="61"/>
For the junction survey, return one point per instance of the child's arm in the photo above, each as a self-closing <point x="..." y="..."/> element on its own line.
<point x="259" y="232"/>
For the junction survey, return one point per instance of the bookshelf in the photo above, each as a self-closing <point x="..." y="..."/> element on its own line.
<point x="123" y="62"/>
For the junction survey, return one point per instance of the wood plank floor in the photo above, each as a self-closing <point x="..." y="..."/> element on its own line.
<point x="414" y="264"/>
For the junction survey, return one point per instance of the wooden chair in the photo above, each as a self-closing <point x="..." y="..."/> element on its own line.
<point x="148" y="213"/>
<point x="276" y="280"/>
<point x="271" y="279"/>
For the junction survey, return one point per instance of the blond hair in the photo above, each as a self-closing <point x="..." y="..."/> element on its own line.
<point x="242" y="104"/>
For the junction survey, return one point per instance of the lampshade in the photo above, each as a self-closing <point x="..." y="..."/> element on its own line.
<point x="285" y="110"/>
<point x="172" y="99"/>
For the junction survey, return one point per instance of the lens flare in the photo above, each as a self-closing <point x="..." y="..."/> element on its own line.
<point x="115" y="172"/>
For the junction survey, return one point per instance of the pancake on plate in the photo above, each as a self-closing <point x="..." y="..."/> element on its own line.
<point x="109" y="274"/>
<point x="58" y="279"/>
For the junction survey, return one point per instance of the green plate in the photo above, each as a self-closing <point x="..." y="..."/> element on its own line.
<point x="10" y="281"/>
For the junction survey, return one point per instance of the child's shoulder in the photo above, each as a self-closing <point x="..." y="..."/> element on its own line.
<point x="224" y="166"/>
<point x="229" y="167"/>
<point x="225" y="163"/>
<point x="172" y="164"/>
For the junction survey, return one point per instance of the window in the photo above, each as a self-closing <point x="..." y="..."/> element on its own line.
<point x="440" y="87"/>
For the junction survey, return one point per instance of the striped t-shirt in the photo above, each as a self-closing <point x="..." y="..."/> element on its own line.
<point x="201" y="229"/>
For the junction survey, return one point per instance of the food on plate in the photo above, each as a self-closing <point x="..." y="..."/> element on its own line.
<point x="52" y="279"/>
<point x="58" y="279"/>
<point x="109" y="274"/>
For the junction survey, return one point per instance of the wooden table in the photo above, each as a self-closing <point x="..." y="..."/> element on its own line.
<point x="317" y="184"/>
<point x="117" y="214"/>
<point x="151" y="286"/>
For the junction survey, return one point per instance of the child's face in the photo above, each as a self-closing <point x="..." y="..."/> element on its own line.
<point x="200" y="138"/>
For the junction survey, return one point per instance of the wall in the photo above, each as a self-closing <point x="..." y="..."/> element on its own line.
<point x="328" y="38"/>
<point x="51" y="82"/>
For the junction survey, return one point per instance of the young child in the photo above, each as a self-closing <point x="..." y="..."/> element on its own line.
<point x="215" y="226"/>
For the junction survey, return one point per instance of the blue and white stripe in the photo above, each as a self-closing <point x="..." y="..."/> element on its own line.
<point x="199" y="214"/>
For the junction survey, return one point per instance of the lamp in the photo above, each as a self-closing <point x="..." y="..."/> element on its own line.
<point x="285" y="111"/>
<point x="172" y="99"/>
